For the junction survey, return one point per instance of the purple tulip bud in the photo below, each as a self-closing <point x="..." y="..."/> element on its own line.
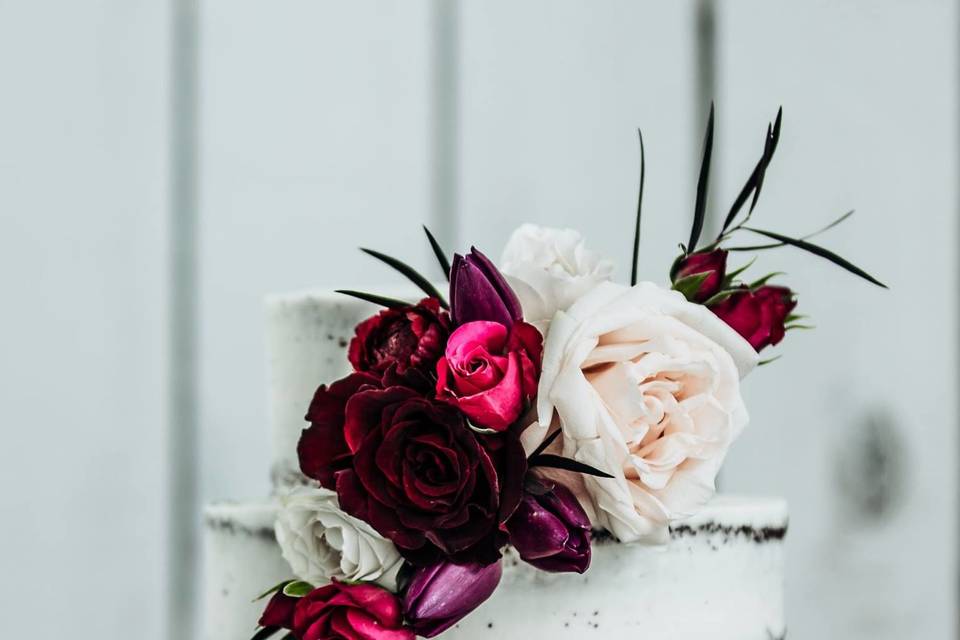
<point x="551" y="531"/>
<point x="478" y="291"/>
<point x="440" y="595"/>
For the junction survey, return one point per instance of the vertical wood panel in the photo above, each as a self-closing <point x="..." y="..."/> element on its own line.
<point x="316" y="138"/>
<point x="83" y="264"/>
<point x="552" y="95"/>
<point x="856" y="425"/>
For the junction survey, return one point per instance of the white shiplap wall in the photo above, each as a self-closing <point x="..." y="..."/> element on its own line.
<point x="315" y="138"/>
<point x="552" y="94"/>
<point x="857" y="424"/>
<point x="83" y="259"/>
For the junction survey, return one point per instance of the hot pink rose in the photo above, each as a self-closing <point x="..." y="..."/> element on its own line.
<point x="489" y="371"/>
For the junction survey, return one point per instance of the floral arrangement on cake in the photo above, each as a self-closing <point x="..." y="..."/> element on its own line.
<point x="542" y="403"/>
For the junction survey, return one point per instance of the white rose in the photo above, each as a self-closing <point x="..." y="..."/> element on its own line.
<point x="550" y="269"/>
<point x="647" y="388"/>
<point x="320" y="542"/>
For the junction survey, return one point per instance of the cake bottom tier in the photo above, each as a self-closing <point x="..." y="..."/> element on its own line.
<point x="720" y="577"/>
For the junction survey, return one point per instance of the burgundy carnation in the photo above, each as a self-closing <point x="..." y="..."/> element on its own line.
<point x="760" y="315"/>
<point x="713" y="263"/>
<point x="405" y="338"/>
<point x="350" y="612"/>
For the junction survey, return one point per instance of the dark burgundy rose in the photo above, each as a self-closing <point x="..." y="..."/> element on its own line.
<point x="760" y="315"/>
<point x="349" y="612"/>
<point x="442" y="594"/>
<point x="478" y="291"/>
<point x="322" y="449"/>
<point x="713" y="263"/>
<point x="422" y="478"/>
<point x="279" y="611"/>
<point x="407" y="337"/>
<point x="550" y="529"/>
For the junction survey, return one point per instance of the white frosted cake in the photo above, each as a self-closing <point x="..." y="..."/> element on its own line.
<point x="719" y="576"/>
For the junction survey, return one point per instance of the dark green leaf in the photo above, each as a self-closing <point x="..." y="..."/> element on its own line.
<point x="775" y="245"/>
<point x="720" y="297"/>
<point x="390" y="303"/>
<point x="690" y="285"/>
<point x="297" y="589"/>
<point x="769" y="147"/>
<point x="636" y="231"/>
<point x="408" y="272"/>
<point x="546" y="443"/>
<point x="769" y="360"/>
<point x="265" y="633"/>
<point x="756" y="176"/>
<point x="762" y="281"/>
<point x="700" y="208"/>
<point x="819" y="251"/>
<point x="438" y="252"/>
<point x="559" y="462"/>
<point x="733" y="274"/>
<point x="799" y="326"/>
<point x="272" y="590"/>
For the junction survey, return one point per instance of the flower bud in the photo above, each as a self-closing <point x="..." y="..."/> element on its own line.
<point x="478" y="291"/>
<point x="713" y="263"/>
<point x="551" y="531"/>
<point x="760" y="315"/>
<point x="440" y="595"/>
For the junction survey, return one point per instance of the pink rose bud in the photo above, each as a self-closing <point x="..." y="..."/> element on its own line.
<point x="713" y="263"/>
<point x="440" y="595"/>
<point x="759" y="316"/>
<point x="478" y="291"/>
<point x="551" y="531"/>
<point x="490" y="371"/>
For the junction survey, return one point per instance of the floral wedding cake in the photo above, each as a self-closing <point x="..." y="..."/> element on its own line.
<point x="532" y="454"/>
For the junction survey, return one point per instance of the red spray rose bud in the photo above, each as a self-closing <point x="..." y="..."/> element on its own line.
<point x="279" y="611"/>
<point x="440" y="595"/>
<point x="759" y="316"/>
<point x="713" y="263"/>
<point x="478" y="291"/>
<point x="407" y="337"/>
<point x="349" y="611"/>
<point x="490" y="372"/>
<point x="551" y="531"/>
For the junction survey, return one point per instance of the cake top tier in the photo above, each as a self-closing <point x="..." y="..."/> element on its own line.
<point x="307" y="338"/>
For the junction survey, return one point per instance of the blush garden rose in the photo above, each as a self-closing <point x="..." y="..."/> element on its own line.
<point x="647" y="388"/>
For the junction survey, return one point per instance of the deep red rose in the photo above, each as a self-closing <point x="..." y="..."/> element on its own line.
<point x="759" y="315"/>
<point x="322" y="450"/>
<point x="713" y="263"/>
<point x="406" y="338"/>
<point x="279" y="611"/>
<point x="422" y="478"/>
<point x="349" y="612"/>
<point x="489" y="372"/>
